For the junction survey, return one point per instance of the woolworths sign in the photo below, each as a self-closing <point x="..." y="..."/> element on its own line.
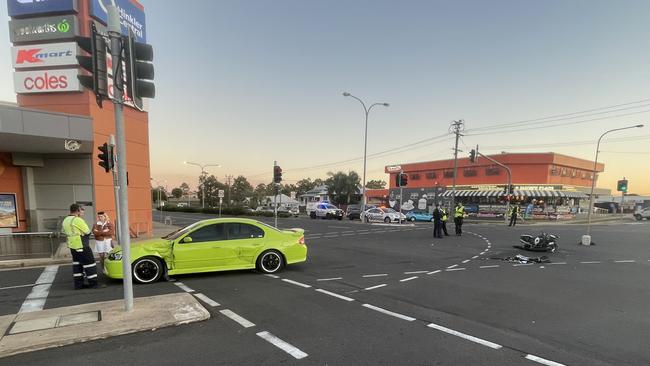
<point x="43" y="29"/>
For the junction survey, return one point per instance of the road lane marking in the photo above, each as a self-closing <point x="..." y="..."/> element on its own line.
<point x="474" y="257"/>
<point x="454" y="269"/>
<point x="243" y="322"/>
<point x="453" y="266"/>
<point x="434" y="272"/>
<point x="35" y="301"/>
<point x="296" y="283"/>
<point x="465" y="336"/>
<point x="374" y="287"/>
<point x="375" y="275"/>
<point x="625" y="261"/>
<point x="348" y="234"/>
<point x="18" y="286"/>
<point x="543" y="361"/>
<point x="523" y="264"/>
<point x="272" y="276"/>
<point x="330" y="279"/>
<point x="388" y="312"/>
<point x="207" y="300"/>
<point x="415" y="272"/>
<point x="184" y="287"/>
<point x="465" y="261"/>
<point x="591" y="262"/>
<point x="558" y="263"/>
<point x="286" y="347"/>
<point x="335" y="295"/>
<point x="408" y="279"/>
<point x="492" y="266"/>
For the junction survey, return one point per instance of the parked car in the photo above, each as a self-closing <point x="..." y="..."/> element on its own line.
<point x="294" y="211"/>
<point x="182" y="204"/>
<point x="643" y="214"/>
<point x="264" y="209"/>
<point x="327" y="211"/>
<point x="209" y="246"/>
<point x="383" y="214"/>
<point x="354" y="211"/>
<point x="419" y="216"/>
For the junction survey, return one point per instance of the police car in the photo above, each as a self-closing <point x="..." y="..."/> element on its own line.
<point x="383" y="214"/>
<point x="326" y="210"/>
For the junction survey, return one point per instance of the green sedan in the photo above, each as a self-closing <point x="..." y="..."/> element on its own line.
<point x="209" y="246"/>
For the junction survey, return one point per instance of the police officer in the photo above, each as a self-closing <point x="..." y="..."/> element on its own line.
<point x="444" y="220"/>
<point x="437" y="222"/>
<point x="459" y="215"/>
<point x="78" y="238"/>
<point x="514" y="212"/>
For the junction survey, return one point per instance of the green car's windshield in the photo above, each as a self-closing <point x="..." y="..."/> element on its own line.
<point x="175" y="234"/>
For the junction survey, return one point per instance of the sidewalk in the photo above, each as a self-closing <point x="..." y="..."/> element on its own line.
<point x="576" y="221"/>
<point x="62" y="255"/>
<point x="26" y="332"/>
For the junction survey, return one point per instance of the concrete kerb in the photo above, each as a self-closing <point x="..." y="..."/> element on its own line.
<point x="149" y="313"/>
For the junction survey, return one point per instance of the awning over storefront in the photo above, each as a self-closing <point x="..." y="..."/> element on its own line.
<point x="522" y="193"/>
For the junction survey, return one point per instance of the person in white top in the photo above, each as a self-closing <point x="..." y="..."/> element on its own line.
<point x="103" y="231"/>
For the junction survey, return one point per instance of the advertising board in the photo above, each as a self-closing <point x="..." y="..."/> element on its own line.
<point x="8" y="211"/>
<point x="43" y="29"/>
<point x="28" y="8"/>
<point x="131" y="15"/>
<point x="46" y="81"/>
<point x="44" y="55"/>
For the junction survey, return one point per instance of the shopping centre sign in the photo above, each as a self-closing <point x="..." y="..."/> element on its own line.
<point x="27" y="8"/>
<point x="46" y="81"/>
<point x="43" y="29"/>
<point x="131" y="15"/>
<point x="44" y="55"/>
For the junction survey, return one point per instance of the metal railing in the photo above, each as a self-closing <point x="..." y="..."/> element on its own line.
<point x="29" y="245"/>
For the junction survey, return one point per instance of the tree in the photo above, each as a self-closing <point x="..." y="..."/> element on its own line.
<point x="343" y="188"/>
<point x="376" y="184"/>
<point x="210" y="186"/>
<point x="185" y="188"/>
<point x="304" y="185"/>
<point x="154" y="194"/>
<point x="259" y="194"/>
<point x="241" y="189"/>
<point x="177" y="193"/>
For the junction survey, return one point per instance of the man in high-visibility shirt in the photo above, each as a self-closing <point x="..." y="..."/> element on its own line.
<point x="459" y="215"/>
<point x="78" y="238"/>
<point x="444" y="219"/>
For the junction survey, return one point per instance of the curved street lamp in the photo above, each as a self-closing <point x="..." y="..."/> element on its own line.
<point x="365" y="143"/>
<point x="202" y="166"/>
<point x="587" y="238"/>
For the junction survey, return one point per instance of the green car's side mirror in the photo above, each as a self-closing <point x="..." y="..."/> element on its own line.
<point x="187" y="239"/>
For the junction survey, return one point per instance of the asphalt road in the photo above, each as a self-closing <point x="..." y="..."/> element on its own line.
<point x="393" y="295"/>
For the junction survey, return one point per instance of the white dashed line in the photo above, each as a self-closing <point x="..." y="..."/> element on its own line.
<point x="375" y="275"/>
<point x="492" y="266"/>
<point x="465" y="336"/>
<point x="474" y="257"/>
<point x="625" y="261"/>
<point x="557" y="263"/>
<point x="35" y="301"/>
<point x="543" y="361"/>
<point x="388" y="312"/>
<point x="454" y="269"/>
<point x="335" y="295"/>
<point x="415" y="272"/>
<point x="286" y="347"/>
<point x="434" y="272"/>
<point x="207" y="300"/>
<point x="243" y="322"/>
<point x="591" y="262"/>
<point x="272" y="276"/>
<point x="183" y="287"/>
<point x="374" y="287"/>
<point x="465" y="261"/>
<point x="408" y="279"/>
<point x="347" y="234"/>
<point x="523" y="264"/>
<point x="330" y="279"/>
<point x="453" y="266"/>
<point x="18" y="286"/>
<point x="296" y="283"/>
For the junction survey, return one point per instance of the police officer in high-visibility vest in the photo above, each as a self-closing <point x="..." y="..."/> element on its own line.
<point x="514" y="212"/>
<point x="78" y="238"/>
<point x="459" y="215"/>
<point x="444" y="219"/>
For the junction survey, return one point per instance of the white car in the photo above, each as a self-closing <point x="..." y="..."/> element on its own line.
<point x="383" y="214"/>
<point x="643" y="214"/>
<point x="326" y="211"/>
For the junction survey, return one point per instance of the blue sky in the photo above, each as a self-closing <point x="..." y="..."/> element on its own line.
<point x="243" y="83"/>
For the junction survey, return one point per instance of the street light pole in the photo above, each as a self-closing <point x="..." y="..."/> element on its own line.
<point x="586" y="239"/>
<point x="158" y="187"/>
<point x="365" y="144"/>
<point x="202" y="166"/>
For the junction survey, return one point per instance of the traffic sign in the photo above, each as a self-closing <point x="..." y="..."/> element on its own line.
<point x="222" y="193"/>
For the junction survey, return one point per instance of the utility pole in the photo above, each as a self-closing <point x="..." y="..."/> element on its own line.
<point x="509" y="183"/>
<point x="275" y="198"/>
<point x="115" y="35"/>
<point x="228" y="179"/>
<point x="456" y="128"/>
<point x="116" y="188"/>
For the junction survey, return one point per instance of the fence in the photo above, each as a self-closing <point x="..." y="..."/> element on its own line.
<point x="28" y="245"/>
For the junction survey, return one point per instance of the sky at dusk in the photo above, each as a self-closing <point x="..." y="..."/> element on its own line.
<point x="243" y="83"/>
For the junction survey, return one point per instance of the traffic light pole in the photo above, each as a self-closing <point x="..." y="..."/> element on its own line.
<point x="509" y="180"/>
<point x="116" y="187"/>
<point x="401" y="197"/>
<point x="115" y="35"/>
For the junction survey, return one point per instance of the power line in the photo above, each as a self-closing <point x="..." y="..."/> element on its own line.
<point x="567" y="143"/>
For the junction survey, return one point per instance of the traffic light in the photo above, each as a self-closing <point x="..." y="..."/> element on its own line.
<point x="106" y="159"/>
<point x="277" y="174"/>
<point x="139" y="70"/>
<point x="97" y="81"/>
<point x="622" y="186"/>
<point x="402" y="179"/>
<point x="472" y="156"/>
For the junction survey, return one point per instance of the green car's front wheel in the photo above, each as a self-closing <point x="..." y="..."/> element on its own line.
<point x="270" y="261"/>
<point x="147" y="270"/>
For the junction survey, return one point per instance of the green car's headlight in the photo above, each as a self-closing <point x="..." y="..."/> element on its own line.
<point x="115" y="256"/>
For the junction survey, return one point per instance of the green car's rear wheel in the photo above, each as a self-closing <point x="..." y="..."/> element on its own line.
<point x="147" y="270"/>
<point x="270" y="261"/>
